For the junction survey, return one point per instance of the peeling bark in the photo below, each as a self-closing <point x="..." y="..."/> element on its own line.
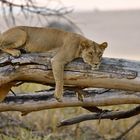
<point x="112" y="74"/>
<point x="121" y="75"/>
<point x="27" y="103"/>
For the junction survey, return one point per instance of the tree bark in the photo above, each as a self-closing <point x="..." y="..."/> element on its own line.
<point x="112" y="74"/>
<point x="27" y="103"/>
<point x="112" y="115"/>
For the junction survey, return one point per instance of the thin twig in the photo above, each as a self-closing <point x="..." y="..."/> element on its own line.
<point x="30" y="7"/>
<point x="13" y="92"/>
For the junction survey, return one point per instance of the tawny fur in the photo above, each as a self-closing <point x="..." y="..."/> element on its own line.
<point x="68" y="45"/>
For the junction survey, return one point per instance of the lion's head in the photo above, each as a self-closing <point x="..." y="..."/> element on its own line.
<point x="92" y="52"/>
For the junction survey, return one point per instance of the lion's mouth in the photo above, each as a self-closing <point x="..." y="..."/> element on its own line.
<point x="95" y="66"/>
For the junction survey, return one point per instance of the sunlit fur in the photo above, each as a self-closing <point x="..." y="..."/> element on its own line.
<point x="67" y="46"/>
<point x="92" y="53"/>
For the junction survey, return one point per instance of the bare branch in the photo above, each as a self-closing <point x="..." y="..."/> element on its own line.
<point x="41" y="10"/>
<point x="4" y="14"/>
<point x="30" y="7"/>
<point x="112" y="115"/>
<point x="93" y="109"/>
<point x="113" y="73"/>
<point x="11" y="14"/>
<point x="27" y="103"/>
<point x="37" y="68"/>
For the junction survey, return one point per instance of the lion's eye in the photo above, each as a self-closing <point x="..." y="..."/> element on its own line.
<point x="90" y="53"/>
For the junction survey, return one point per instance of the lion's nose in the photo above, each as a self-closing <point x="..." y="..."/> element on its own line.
<point x="96" y="64"/>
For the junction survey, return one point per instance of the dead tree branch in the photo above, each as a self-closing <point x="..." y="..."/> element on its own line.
<point x="112" y="74"/>
<point x="10" y="10"/>
<point x="27" y="103"/>
<point x="112" y="115"/>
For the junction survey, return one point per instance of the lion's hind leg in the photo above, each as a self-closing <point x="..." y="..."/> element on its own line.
<point x="12" y="40"/>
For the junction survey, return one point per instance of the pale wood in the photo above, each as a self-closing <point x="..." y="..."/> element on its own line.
<point x="27" y="103"/>
<point x="113" y="73"/>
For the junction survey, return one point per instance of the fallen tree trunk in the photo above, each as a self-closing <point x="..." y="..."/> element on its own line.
<point x="112" y="74"/>
<point x="27" y="103"/>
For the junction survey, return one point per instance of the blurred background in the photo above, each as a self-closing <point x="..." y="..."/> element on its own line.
<point x="117" y="22"/>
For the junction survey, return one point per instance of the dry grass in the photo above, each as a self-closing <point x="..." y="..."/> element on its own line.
<point x="42" y="125"/>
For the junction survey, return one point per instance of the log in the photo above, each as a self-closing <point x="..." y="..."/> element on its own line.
<point x="42" y="100"/>
<point x="112" y="74"/>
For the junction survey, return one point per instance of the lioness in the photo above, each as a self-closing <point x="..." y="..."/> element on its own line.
<point x="68" y="45"/>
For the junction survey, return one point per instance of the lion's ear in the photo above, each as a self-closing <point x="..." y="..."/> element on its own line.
<point x="103" y="45"/>
<point x="84" y="44"/>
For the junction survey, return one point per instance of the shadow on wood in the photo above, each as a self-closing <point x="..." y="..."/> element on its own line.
<point x="123" y="75"/>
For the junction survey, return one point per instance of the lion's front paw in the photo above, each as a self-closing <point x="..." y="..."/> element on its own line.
<point x="16" y="53"/>
<point x="58" y="98"/>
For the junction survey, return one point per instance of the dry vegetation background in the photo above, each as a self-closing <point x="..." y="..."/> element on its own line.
<point x="42" y="125"/>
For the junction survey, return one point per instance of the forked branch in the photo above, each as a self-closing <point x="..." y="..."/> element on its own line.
<point x="112" y="115"/>
<point x="118" y="74"/>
